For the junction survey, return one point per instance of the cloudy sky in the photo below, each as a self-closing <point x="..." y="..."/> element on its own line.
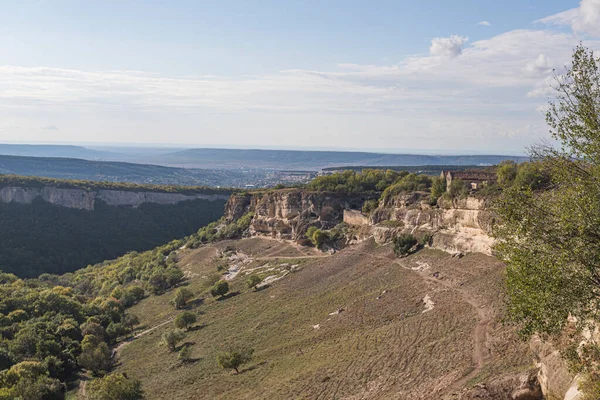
<point x="432" y="75"/>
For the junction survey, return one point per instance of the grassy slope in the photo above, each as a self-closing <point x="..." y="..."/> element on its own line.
<point x="376" y="348"/>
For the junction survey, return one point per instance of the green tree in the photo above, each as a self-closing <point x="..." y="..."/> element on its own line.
<point x="550" y="239"/>
<point x="185" y="354"/>
<point x="171" y="338"/>
<point x="182" y="296"/>
<point x="114" y="387"/>
<point x="185" y="320"/>
<point x="219" y="289"/>
<point x="253" y="281"/>
<point x="438" y="187"/>
<point x="29" y="380"/>
<point x="95" y="355"/>
<point x="507" y="172"/>
<point x="403" y="243"/>
<point x="234" y="358"/>
<point x="458" y="189"/>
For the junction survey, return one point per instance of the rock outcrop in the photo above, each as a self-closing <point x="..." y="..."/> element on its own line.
<point x="86" y="199"/>
<point x="288" y="213"/>
<point x="459" y="226"/>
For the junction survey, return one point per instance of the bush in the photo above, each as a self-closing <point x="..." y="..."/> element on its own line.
<point x="426" y="239"/>
<point x="316" y="236"/>
<point x="458" y="189"/>
<point x="403" y="243"/>
<point x="233" y="359"/>
<point x="172" y="337"/>
<point x="219" y="289"/>
<point x="114" y="387"/>
<point x="507" y="172"/>
<point x="182" y="296"/>
<point x="253" y="281"/>
<point x="185" y="354"/>
<point x="369" y="206"/>
<point x="185" y="320"/>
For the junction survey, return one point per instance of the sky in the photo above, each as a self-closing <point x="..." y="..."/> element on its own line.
<point x="467" y="76"/>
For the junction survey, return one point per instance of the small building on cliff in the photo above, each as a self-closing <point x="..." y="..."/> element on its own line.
<point x="474" y="179"/>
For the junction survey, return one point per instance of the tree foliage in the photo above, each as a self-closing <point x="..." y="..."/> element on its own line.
<point x="185" y="320"/>
<point x="182" y="296"/>
<point x="172" y="337"/>
<point x="234" y="358"/>
<point x="403" y="243"/>
<point x="114" y="387"/>
<point x="551" y="238"/>
<point x="219" y="289"/>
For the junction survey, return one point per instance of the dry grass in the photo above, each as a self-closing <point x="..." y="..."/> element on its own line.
<point x="379" y="346"/>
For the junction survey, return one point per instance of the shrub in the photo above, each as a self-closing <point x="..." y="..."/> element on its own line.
<point x="234" y="358"/>
<point x="370" y="206"/>
<point x="458" y="189"/>
<point x="403" y="243"/>
<point x="185" y="320"/>
<point x="426" y="239"/>
<point x="316" y="236"/>
<point x="172" y="337"/>
<point x="185" y="354"/>
<point x="219" y="289"/>
<point x="114" y="387"/>
<point x="253" y="281"/>
<point x="182" y="296"/>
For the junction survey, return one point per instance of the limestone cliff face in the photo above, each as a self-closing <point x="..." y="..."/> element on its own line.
<point x="287" y="214"/>
<point x="86" y="200"/>
<point x="462" y="225"/>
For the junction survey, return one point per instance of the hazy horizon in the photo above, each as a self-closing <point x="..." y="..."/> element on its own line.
<point x="460" y="77"/>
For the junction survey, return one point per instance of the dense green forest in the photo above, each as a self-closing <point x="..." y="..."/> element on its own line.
<point x="41" y="237"/>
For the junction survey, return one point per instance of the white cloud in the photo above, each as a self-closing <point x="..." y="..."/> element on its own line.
<point x="49" y="128"/>
<point x="540" y="65"/>
<point x="484" y="23"/>
<point x="584" y="19"/>
<point x="458" y="94"/>
<point x="448" y="47"/>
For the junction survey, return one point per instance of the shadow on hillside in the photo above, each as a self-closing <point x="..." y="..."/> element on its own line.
<point x="194" y="303"/>
<point x="228" y="296"/>
<point x="253" y="367"/>
<point x="197" y="327"/>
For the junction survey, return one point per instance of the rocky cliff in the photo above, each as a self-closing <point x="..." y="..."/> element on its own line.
<point x="457" y="226"/>
<point x="288" y="213"/>
<point x="86" y="199"/>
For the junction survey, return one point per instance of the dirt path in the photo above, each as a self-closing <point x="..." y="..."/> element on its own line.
<point x="124" y="343"/>
<point x="481" y="331"/>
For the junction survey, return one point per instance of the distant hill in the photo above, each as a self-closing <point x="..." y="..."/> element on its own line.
<point x="112" y="171"/>
<point x="205" y="158"/>
<point x="314" y="160"/>
<point x="46" y="150"/>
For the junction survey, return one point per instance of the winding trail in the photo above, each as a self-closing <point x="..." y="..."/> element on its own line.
<point x="82" y="393"/>
<point x="138" y="335"/>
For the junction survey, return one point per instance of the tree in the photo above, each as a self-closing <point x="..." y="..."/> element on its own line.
<point x="550" y="238"/>
<point x="29" y="380"/>
<point x="95" y="355"/>
<point x="403" y="243"/>
<point x="253" y="281"/>
<point x="458" y="188"/>
<point x="219" y="289"/>
<point x="114" y="387"/>
<point x="316" y="236"/>
<point x="182" y="296"/>
<point x="171" y="338"/>
<point x="130" y="321"/>
<point x="185" y="320"/>
<point x="438" y="187"/>
<point x="507" y="172"/>
<point x="234" y="358"/>
<point x="185" y="354"/>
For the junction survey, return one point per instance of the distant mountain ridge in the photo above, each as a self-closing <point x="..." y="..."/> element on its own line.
<point x="211" y="158"/>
